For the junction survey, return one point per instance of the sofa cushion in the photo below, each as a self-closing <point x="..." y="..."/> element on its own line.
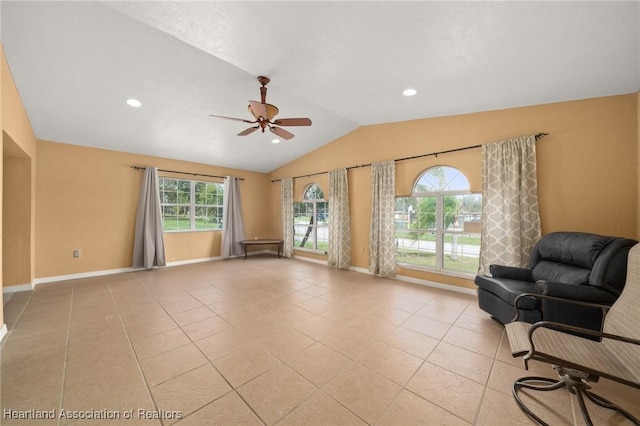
<point x="507" y="289"/>
<point x="548" y="270"/>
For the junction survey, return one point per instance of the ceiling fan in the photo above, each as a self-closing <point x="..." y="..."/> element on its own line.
<point x="264" y="114"/>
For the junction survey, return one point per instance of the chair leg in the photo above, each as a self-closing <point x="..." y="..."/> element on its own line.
<point x="530" y="383"/>
<point x="597" y="399"/>
<point x="575" y="383"/>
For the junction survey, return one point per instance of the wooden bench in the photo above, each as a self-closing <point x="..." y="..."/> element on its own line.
<point x="262" y="242"/>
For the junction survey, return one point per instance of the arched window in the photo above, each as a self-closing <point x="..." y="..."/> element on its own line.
<point x="438" y="226"/>
<point x="311" y="220"/>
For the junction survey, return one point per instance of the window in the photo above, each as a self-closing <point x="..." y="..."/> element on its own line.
<point x="310" y="218"/>
<point x="189" y="205"/>
<point x="438" y="226"/>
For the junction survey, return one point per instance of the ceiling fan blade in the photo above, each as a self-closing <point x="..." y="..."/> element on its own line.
<point x="293" y="122"/>
<point x="248" y="131"/>
<point x="281" y="132"/>
<point x="258" y="109"/>
<point x="231" y="118"/>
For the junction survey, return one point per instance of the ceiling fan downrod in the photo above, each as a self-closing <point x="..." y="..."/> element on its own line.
<point x="263" y="90"/>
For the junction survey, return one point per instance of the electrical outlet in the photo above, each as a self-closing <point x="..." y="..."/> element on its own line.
<point x="76" y="253"/>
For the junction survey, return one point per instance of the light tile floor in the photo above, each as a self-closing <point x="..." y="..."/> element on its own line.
<point x="266" y="341"/>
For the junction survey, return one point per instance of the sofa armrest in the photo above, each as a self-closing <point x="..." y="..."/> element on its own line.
<point x="582" y="293"/>
<point x="542" y="297"/>
<point x="510" y="272"/>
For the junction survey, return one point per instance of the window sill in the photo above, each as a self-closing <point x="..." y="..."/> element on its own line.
<point x="306" y="250"/>
<point x="184" y="231"/>
<point x="447" y="272"/>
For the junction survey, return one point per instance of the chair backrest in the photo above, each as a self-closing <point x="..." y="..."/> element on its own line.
<point x="566" y="257"/>
<point x="623" y="318"/>
<point x="610" y="269"/>
<point x="582" y="258"/>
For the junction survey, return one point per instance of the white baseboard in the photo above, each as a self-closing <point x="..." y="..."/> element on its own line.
<point x="190" y="261"/>
<point x="3" y="331"/>
<point x="91" y="274"/>
<point x="361" y="270"/>
<point x="418" y="281"/>
<point x="16" y="288"/>
<point x="81" y="275"/>
<point x="427" y="283"/>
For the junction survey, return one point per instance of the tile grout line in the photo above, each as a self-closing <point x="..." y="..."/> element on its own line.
<point x="185" y="282"/>
<point x="318" y="388"/>
<point x="135" y="355"/>
<point x="424" y="361"/>
<point x="209" y="361"/>
<point x="486" y="385"/>
<point x="24" y="307"/>
<point x="281" y="362"/>
<point x="66" y="355"/>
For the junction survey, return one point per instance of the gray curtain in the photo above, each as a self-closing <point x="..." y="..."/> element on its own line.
<point x="233" y="224"/>
<point x="286" y="207"/>
<point x="148" y="245"/>
<point x="510" y="218"/>
<point x="382" y="240"/>
<point x="339" y="253"/>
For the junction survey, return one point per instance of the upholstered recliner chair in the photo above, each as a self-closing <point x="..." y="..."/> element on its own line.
<point x="569" y="265"/>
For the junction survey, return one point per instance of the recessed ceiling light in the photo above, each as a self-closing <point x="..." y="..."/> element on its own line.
<point x="409" y="92"/>
<point x="275" y="141"/>
<point x="134" y="103"/>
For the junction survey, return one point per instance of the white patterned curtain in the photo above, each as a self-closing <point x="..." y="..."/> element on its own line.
<point x="382" y="240"/>
<point x="286" y="207"/>
<point x="148" y="244"/>
<point x="339" y="254"/>
<point x="510" y="218"/>
<point x="233" y="224"/>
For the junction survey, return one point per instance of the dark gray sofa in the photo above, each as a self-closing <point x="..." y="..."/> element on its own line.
<point x="570" y="265"/>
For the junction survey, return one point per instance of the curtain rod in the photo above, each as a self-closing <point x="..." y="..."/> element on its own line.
<point x="537" y="136"/>
<point x="182" y="173"/>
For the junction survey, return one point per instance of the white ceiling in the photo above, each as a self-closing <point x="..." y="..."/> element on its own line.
<point x="343" y="64"/>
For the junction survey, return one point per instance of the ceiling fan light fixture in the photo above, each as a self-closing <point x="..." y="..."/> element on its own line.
<point x="134" y="103"/>
<point x="409" y="92"/>
<point x="275" y="140"/>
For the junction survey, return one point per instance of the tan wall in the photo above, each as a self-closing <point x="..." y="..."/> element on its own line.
<point x="18" y="141"/>
<point x="638" y="169"/>
<point x="15" y="121"/>
<point x="3" y="60"/>
<point x="87" y="199"/>
<point x="16" y="218"/>
<point x="587" y="166"/>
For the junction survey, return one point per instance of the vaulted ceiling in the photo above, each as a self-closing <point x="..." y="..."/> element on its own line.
<point x="343" y="64"/>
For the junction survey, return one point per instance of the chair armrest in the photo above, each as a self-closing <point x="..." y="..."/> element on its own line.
<point x="605" y="308"/>
<point x="572" y="329"/>
<point x="510" y="272"/>
<point x="583" y="293"/>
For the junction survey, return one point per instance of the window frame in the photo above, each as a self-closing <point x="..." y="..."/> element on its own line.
<point x="439" y="231"/>
<point x="315" y="225"/>
<point x="193" y="205"/>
